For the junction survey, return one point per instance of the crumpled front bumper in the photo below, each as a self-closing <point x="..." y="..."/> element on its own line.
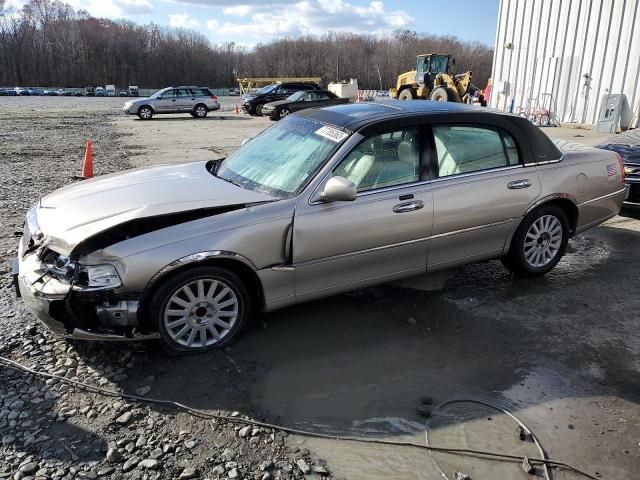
<point x="39" y="292"/>
<point x="49" y="300"/>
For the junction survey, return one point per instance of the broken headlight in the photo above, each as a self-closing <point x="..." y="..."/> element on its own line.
<point x="98" y="276"/>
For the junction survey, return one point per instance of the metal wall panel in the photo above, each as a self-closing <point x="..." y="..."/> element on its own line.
<point x="544" y="49"/>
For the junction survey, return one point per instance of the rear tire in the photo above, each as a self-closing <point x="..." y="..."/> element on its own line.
<point x="200" y="309"/>
<point x="406" y="94"/>
<point x="440" y="94"/>
<point x="539" y="242"/>
<point x="200" y="111"/>
<point x="145" y="113"/>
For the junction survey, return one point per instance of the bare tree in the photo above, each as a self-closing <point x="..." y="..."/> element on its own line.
<point x="47" y="43"/>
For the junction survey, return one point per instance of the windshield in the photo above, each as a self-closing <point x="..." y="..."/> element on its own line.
<point x="158" y="93"/>
<point x="296" y="96"/>
<point x="266" y="89"/>
<point x="283" y="158"/>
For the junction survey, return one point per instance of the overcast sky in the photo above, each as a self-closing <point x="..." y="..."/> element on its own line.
<point x="249" y="22"/>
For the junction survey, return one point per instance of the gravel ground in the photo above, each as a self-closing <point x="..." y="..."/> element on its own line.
<point x="562" y="352"/>
<point x="51" y="430"/>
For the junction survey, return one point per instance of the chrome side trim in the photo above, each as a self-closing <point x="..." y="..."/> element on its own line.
<point x="471" y="229"/>
<point x="426" y="182"/>
<point x="283" y="269"/>
<point x="603" y="197"/>
<point x="199" y="257"/>
<point x="547" y="162"/>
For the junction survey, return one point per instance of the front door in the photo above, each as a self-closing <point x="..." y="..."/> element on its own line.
<point x="168" y="102"/>
<point x="481" y="190"/>
<point x="381" y="235"/>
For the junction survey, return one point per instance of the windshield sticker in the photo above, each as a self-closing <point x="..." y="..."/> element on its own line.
<point x="332" y="133"/>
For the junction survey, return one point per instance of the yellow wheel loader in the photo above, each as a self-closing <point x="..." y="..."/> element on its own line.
<point x="432" y="80"/>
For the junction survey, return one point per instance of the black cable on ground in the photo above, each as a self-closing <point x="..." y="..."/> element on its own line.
<point x="307" y="433"/>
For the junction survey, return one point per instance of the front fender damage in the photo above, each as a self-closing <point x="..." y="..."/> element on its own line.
<point x="50" y="284"/>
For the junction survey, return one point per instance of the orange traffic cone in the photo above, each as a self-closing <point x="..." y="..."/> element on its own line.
<point x="87" y="166"/>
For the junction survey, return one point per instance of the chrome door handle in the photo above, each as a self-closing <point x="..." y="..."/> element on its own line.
<point x="519" y="184"/>
<point x="408" y="206"/>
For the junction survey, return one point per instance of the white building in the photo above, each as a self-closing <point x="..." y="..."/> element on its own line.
<point x="566" y="55"/>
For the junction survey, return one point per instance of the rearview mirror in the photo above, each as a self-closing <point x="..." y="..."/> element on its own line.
<point x="339" y="189"/>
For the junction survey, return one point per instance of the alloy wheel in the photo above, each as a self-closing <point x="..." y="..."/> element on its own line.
<point x="145" y="113"/>
<point x="201" y="111"/>
<point x="543" y="241"/>
<point x="201" y="313"/>
<point x="284" y="112"/>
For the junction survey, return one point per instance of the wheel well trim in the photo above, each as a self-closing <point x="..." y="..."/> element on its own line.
<point x="198" y="257"/>
<point x="554" y="197"/>
<point x="195" y="259"/>
<point x="550" y="198"/>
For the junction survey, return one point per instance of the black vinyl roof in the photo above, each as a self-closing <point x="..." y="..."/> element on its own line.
<point x="361" y="116"/>
<point x="354" y="115"/>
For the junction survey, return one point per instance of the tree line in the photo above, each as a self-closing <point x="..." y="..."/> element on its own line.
<point x="48" y="43"/>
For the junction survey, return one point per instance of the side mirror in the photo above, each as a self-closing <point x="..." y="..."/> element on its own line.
<point x="339" y="189"/>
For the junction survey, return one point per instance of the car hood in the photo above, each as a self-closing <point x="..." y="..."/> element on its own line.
<point x="139" y="101"/>
<point x="74" y="213"/>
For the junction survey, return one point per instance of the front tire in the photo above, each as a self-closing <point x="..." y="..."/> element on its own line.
<point x="406" y="94"/>
<point x="145" y="113"/>
<point x="200" y="111"/>
<point x="440" y="94"/>
<point x="259" y="110"/>
<point x="283" y="113"/>
<point x="539" y="243"/>
<point x="200" y="309"/>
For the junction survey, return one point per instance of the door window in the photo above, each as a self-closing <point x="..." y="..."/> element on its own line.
<point x="464" y="149"/>
<point x="184" y="92"/>
<point x="169" y="94"/>
<point x="384" y="160"/>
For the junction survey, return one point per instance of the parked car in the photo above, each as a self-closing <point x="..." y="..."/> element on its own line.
<point x="198" y="101"/>
<point x="122" y="93"/>
<point x="234" y="92"/>
<point x="8" y="92"/>
<point x="252" y="102"/>
<point x="133" y="90"/>
<point x="99" y="92"/>
<point x="89" y="90"/>
<point x="110" y="90"/>
<point x="627" y="145"/>
<point x="299" y="101"/>
<point x="325" y="201"/>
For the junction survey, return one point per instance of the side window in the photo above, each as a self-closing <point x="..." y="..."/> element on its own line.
<point x="383" y="160"/>
<point x="169" y="94"/>
<point x="464" y="149"/>
<point x="511" y="148"/>
<point x="184" y="92"/>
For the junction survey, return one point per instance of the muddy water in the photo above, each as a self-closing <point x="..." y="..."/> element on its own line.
<point x="358" y="364"/>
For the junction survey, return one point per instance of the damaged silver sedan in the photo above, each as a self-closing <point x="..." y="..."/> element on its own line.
<point x="323" y="202"/>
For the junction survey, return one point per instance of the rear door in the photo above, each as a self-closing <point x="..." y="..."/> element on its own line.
<point x="482" y="189"/>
